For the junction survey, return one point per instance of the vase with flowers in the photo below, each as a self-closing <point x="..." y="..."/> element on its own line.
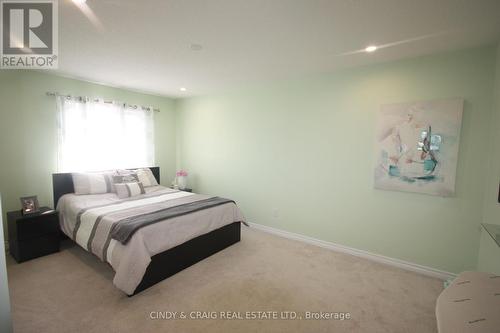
<point x="181" y="179"/>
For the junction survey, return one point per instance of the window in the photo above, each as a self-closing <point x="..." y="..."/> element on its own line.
<point x="97" y="135"/>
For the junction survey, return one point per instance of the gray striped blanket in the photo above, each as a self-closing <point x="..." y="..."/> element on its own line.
<point x="96" y="226"/>
<point x="125" y="228"/>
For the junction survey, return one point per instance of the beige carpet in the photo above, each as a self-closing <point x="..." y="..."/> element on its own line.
<point x="71" y="291"/>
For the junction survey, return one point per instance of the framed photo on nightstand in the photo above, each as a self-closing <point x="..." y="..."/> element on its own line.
<point x="30" y="205"/>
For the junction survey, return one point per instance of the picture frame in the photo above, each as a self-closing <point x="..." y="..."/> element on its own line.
<point x="417" y="146"/>
<point x="30" y="205"/>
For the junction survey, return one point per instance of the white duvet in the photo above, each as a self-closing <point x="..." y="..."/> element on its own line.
<point x="131" y="260"/>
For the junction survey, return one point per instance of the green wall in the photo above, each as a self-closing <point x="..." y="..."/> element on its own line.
<point x="491" y="205"/>
<point x="298" y="156"/>
<point x="28" y="131"/>
<point x="489" y="252"/>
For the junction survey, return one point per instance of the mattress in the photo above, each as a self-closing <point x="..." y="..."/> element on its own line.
<point x="88" y="220"/>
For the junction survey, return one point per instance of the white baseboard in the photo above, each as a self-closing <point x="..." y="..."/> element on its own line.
<point x="429" y="271"/>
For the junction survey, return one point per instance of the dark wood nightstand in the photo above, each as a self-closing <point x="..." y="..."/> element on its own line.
<point x="184" y="190"/>
<point x="34" y="235"/>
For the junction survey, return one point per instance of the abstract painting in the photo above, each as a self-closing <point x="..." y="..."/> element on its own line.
<point x="417" y="146"/>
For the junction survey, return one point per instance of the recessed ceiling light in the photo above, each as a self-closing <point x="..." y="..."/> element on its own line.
<point x="182" y="89"/>
<point x="371" y="48"/>
<point x="79" y="2"/>
<point x="196" y="47"/>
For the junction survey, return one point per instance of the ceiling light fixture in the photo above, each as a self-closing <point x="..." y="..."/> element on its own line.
<point x="79" y="2"/>
<point x="371" y="48"/>
<point x="196" y="47"/>
<point x="182" y="89"/>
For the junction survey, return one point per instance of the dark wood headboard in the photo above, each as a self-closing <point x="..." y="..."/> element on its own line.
<point x="62" y="183"/>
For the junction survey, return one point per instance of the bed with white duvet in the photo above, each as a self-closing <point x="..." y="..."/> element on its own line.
<point x="95" y="222"/>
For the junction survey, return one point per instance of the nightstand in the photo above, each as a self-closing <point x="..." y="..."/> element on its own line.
<point x="184" y="190"/>
<point x="34" y="235"/>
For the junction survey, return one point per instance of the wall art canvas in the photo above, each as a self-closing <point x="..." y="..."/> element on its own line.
<point x="417" y="146"/>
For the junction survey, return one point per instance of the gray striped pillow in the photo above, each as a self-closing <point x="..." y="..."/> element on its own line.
<point x="146" y="176"/>
<point x="126" y="190"/>
<point x="92" y="183"/>
<point x="128" y="178"/>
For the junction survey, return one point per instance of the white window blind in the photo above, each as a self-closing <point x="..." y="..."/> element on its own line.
<point x="94" y="135"/>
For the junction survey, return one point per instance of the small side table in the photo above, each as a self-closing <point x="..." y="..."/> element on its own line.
<point x="185" y="190"/>
<point x="35" y="235"/>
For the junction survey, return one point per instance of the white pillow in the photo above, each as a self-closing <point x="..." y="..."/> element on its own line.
<point x="126" y="190"/>
<point x="146" y="177"/>
<point x="92" y="183"/>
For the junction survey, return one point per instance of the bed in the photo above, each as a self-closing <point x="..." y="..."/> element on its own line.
<point x="149" y="237"/>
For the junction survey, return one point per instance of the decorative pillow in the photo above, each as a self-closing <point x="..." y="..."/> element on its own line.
<point x="126" y="190"/>
<point x="92" y="183"/>
<point x="146" y="177"/>
<point x="125" y="178"/>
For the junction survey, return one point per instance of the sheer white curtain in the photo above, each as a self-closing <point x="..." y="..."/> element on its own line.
<point x="94" y="135"/>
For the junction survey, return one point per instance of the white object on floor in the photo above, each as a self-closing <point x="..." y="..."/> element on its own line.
<point x="471" y="303"/>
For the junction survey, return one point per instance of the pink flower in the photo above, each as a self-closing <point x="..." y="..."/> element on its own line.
<point x="181" y="173"/>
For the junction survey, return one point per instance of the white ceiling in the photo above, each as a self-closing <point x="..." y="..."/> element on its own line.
<point x="145" y="45"/>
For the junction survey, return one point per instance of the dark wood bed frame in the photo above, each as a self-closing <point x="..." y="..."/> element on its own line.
<point x="174" y="260"/>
